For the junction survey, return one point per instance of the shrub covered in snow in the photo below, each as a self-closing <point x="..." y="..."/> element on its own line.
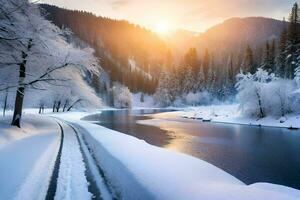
<point x="262" y="94"/>
<point x="198" y="98"/>
<point x="122" y="97"/>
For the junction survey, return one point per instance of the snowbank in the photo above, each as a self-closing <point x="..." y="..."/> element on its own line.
<point x="231" y="114"/>
<point x="27" y="157"/>
<point x="138" y="170"/>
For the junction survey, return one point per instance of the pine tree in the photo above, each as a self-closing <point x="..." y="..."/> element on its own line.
<point x="272" y="55"/>
<point x="248" y="63"/>
<point x="282" y="54"/>
<point x="162" y="94"/>
<point x="191" y="61"/>
<point x="293" y="40"/>
<point x="230" y="76"/>
<point x="174" y="87"/>
<point x="200" y="81"/>
<point x="205" y="64"/>
<point x="188" y="83"/>
<point x="266" y="61"/>
<point x="142" y="98"/>
<point x="180" y="75"/>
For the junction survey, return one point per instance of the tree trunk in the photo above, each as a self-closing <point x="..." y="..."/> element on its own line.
<point x="5" y="102"/>
<point x="18" y="107"/>
<point x="65" y="105"/>
<point x="19" y="98"/>
<point x="74" y="104"/>
<point x="41" y="109"/>
<point x="21" y="89"/>
<point x="58" y="106"/>
<point x="54" y="106"/>
<point x="261" y="112"/>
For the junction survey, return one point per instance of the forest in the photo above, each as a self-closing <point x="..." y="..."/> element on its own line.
<point x="113" y="59"/>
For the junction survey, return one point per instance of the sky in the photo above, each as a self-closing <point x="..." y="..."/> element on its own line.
<point x="193" y="15"/>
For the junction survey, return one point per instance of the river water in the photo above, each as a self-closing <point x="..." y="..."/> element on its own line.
<point x="250" y="153"/>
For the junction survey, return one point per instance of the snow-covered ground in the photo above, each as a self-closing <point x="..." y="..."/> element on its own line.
<point x="27" y="157"/>
<point x="138" y="170"/>
<point x="232" y="114"/>
<point x="133" y="168"/>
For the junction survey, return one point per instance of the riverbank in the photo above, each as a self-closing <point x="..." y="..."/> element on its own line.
<point x="231" y="114"/>
<point x="130" y="163"/>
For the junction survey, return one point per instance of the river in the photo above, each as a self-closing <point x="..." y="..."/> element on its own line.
<point x="250" y="153"/>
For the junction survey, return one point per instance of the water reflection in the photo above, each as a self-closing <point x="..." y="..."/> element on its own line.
<point x="252" y="154"/>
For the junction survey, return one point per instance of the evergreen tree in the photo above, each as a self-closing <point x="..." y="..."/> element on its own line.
<point x="142" y="98"/>
<point x="174" y="87"/>
<point x="191" y="61"/>
<point x="230" y="75"/>
<point x="293" y="39"/>
<point x="248" y="63"/>
<point x="272" y="55"/>
<point x="188" y="83"/>
<point x="180" y="75"/>
<point x="282" y="54"/>
<point x="266" y="61"/>
<point x="205" y="64"/>
<point x="162" y="94"/>
<point x="200" y="81"/>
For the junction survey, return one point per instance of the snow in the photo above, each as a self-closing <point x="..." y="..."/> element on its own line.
<point x="132" y="168"/>
<point x="232" y="114"/>
<point x="27" y="158"/>
<point x="71" y="182"/>
<point x="148" y="101"/>
<point x="138" y="170"/>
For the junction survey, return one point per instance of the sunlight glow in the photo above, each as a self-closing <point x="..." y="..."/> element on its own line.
<point x="163" y="27"/>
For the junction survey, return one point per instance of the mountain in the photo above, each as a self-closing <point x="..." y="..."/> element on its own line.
<point x="129" y="53"/>
<point x="229" y="37"/>
<point x="238" y="32"/>
<point x="135" y="56"/>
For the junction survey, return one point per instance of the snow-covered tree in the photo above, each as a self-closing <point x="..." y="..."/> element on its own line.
<point x="251" y="91"/>
<point x="188" y="82"/>
<point x="206" y="64"/>
<point x="199" y="84"/>
<point x="35" y="56"/>
<point x="122" y="97"/>
<point x="267" y="63"/>
<point x="293" y="42"/>
<point x="191" y="61"/>
<point x="162" y="95"/>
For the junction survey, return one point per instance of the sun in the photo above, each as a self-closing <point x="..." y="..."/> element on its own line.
<point x="162" y="27"/>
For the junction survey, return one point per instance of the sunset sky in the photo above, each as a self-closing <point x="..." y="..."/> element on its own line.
<point x="194" y="15"/>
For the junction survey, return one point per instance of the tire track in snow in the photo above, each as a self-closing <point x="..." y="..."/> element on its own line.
<point x="97" y="184"/>
<point x="53" y="181"/>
